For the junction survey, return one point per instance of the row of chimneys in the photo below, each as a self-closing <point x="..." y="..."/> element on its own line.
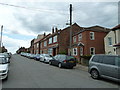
<point x="54" y="29"/>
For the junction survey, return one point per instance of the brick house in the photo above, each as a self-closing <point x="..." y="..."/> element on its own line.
<point x="89" y="41"/>
<point x="36" y="44"/>
<point x="58" y="41"/>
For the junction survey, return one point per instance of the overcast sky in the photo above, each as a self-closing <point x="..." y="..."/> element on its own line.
<point x="23" y="20"/>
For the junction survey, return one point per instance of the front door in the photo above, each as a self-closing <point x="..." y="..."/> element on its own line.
<point x="54" y="51"/>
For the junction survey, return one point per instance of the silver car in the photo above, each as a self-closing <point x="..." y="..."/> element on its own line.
<point x="3" y="67"/>
<point x="45" y="58"/>
<point x="107" y="66"/>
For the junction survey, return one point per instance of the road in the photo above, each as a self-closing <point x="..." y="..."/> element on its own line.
<point x="28" y="73"/>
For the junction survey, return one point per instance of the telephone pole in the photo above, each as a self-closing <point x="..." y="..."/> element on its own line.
<point x="1" y="39"/>
<point x="70" y="29"/>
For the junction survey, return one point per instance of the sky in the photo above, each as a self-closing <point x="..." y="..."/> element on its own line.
<point x="23" y="20"/>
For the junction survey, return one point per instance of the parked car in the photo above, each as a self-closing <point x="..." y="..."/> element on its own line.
<point x="32" y="56"/>
<point x="3" y="67"/>
<point x="107" y="66"/>
<point x="37" y="57"/>
<point x="45" y="58"/>
<point x="6" y="55"/>
<point x="61" y="60"/>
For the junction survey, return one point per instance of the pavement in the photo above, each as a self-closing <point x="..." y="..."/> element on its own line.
<point x="81" y="67"/>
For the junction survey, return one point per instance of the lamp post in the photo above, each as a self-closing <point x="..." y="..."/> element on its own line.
<point x="1" y="39"/>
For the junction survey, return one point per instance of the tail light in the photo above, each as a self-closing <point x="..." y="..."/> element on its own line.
<point x="65" y="61"/>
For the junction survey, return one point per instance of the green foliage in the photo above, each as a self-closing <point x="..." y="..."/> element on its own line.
<point x="86" y="56"/>
<point x="62" y="52"/>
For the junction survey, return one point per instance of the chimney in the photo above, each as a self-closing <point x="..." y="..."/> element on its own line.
<point x="44" y="34"/>
<point x="53" y="30"/>
<point x="56" y="29"/>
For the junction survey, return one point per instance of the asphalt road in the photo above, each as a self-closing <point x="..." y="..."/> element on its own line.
<point x="28" y="73"/>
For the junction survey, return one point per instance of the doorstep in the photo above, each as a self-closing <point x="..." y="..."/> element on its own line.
<point x="81" y="67"/>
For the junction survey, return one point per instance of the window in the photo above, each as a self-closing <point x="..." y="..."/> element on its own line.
<point x="81" y="51"/>
<point x="74" y="39"/>
<point x="109" y="40"/>
<point x="74" y="51"/>
<point x="109" y="60"/>
<point x="55" y="38"/>
<point x="80" y="37"/>
<point x="50" y="40"/>
<point x="92" y="36"/>
<point x="45" y="43"/>
<point x="50" y="50"/>
<point x="92" y="50"/>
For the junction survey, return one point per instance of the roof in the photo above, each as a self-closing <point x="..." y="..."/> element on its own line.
<point x="117" y="45"/>
<point x="94" y="28"/>
<point x="116" y="27"/>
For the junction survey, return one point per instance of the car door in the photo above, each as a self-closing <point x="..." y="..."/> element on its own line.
<point x="55" y="60"/>
<point x="108" y="67"/>
<point x="117" y="60"/>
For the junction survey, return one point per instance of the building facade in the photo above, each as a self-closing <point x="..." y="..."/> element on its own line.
<point x="89" y="41"/>
<point x="112" y="41"/>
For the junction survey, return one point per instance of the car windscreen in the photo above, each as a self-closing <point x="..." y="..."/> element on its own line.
<point x="70" y="58"/>
<point x="46" y="55"/>
<point x="3" y="60"/>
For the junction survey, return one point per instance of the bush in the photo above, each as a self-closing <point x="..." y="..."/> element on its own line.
<point x="63" y="52"/>
<point x="85" y="59"/>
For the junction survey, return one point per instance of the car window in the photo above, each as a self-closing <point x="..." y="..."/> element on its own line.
<point x="109" y="60"/>
<point x="117" y="59"/>
<point x="55" y="57"/>
<point x="70" y="57"/>
<point x="95" y="59"/>
<point x="62" y="57"/>
<point x="3" y="60"/>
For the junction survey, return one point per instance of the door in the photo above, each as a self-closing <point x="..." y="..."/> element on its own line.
<point x="108" y="67"/>
<point x="54" y="51"/>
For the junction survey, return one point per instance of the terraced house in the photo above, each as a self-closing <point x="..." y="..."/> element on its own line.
<point x="57" y="42"/>
<point x="89" y="41"/>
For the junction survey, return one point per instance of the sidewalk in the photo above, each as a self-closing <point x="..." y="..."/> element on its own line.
<point x="81" y="67"/>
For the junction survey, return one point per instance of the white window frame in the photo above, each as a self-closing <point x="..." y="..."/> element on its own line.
<point x="110" y="41"/>
<point x="93" y="50"/>
<point x="74" y="39"/>
<point x="92" y="36"/>
<point x="55" y="39"/>
<point x="75" y="51"/>
<point x="45" y="43"/>
<point x="80" y="37"/>
<point x="50" y="40"/>
<point x="81" y="51"/>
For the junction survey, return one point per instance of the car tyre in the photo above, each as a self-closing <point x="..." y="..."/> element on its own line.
<point x="6" y="78"/>
<point x="94" y="74"/>
<point x="60" y="65"/>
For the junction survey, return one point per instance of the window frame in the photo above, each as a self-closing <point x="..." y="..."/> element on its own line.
<point x="55" y="39"/>
<point x="93" y="51"/>
<point x="75" y="51"/>
<point x="50" y="40"/>
<point x="92" y="37"/>
<point x="110" y="41"/>
<point x="80" y="37"/>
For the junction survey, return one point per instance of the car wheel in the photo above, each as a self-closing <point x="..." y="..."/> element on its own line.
<point x="6" y="78"/>
<point x="94" y="74"/>
<point x="60" y="65"/>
